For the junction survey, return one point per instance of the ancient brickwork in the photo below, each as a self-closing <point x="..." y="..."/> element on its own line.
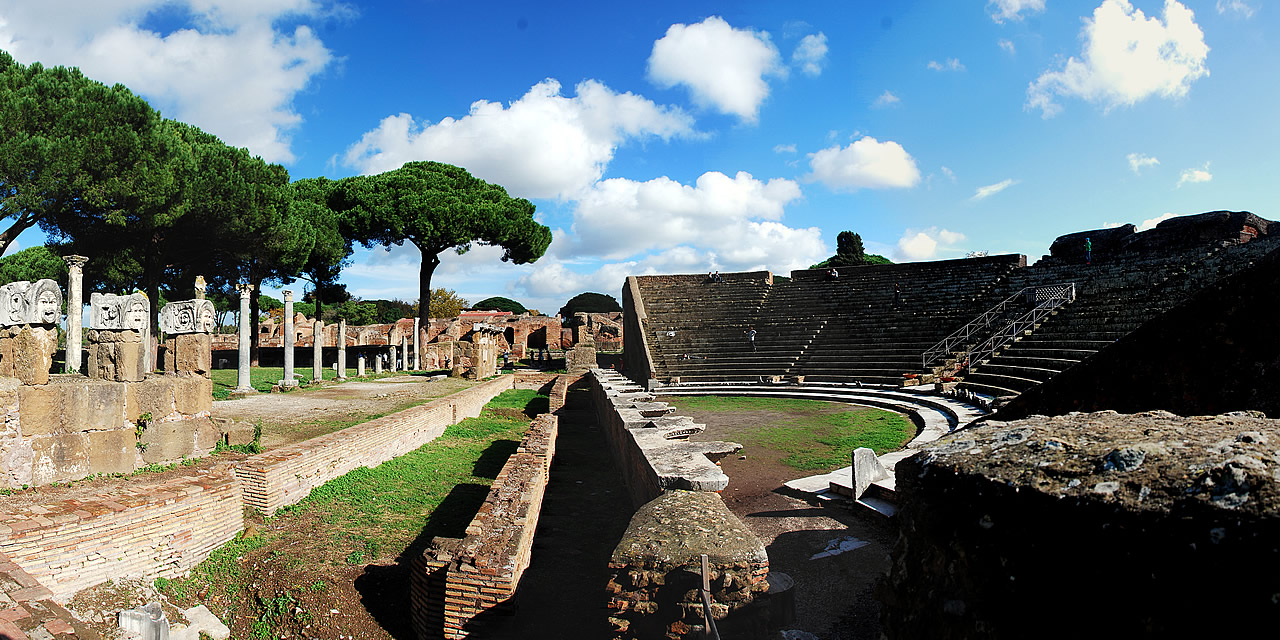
<point x="27" y="609"/>
<point x="284" y="476"/>
<point x="654" y="589"/>
<point x="1137" y="524"/>
<point x="147" y="530"/>
<point x="456" y="580"/>
<point x="650" y="446"/>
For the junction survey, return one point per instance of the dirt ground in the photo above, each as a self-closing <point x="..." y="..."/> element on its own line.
<point x="834" y="594"/>
<point x="300" y="415"/>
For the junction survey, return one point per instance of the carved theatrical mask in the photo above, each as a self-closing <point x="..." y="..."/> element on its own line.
<point x="30" y="303"/>
<point x="104" y="311"/>
<point x="187" y="316"/>
<point x="13" y="302"/>
<point x="206" y="317"/>
<point x="136" y="310"/>
<point x="48" y="302"/>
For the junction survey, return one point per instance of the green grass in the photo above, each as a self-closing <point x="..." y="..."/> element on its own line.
<point x="811" y="437"/>
<point x="369" y="513"/>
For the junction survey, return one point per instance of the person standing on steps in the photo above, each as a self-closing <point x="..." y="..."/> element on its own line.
<point x="1088" y="251"/>
<point x="751" y="337"/>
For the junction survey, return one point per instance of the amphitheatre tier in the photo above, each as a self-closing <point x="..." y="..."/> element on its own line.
<point x="855" y="329"/>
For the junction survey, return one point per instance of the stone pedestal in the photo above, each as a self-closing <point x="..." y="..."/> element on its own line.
<point x="288" y="380"/>
<point x="116" y="355"/>
<point x="188" y="353"/>
<point x="391" y="358"/>
<point x="75" y="306"/>
<point x="342" y="349"/>
<point x="377" y="364"/>
<point x="26" y="353"/>
<point x="360" y="366"/>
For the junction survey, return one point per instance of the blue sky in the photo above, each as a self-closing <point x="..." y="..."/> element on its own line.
<point x="679" y="137"/>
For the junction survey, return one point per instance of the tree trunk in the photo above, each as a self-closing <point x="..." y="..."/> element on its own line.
<point x="429" y="263"/>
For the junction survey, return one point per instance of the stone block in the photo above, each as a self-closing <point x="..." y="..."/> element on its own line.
<point x="188" y="353"/>
<point x="153" y="395"/>
<point x="116" y="360"/>
<point x="112" y="451"/>
<point x="193" y="395"/>
<point x="33" y="349"/>
<point x="41" y="410"/>
<point x="236" y="432"/>
<point x="6" y="354"/>
<point x="168" y="441"/>
<point x="90" y="405"/>
<point x="866" y="470"/>
<point x="59" y="457"/>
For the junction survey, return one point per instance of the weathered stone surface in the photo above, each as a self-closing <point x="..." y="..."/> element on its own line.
<point x="152" y="396"/>
<point x="119" y="358"/>
<point x="110" y="311"/>
<point x="188" y="353"/>
<point x="193" y="395"/>
<point x="40" y="410"/>
<point x="59" y="457"/>
<point x="171" y="440"/>
<point x="1006" y="523"/>
<point x="112" y="451"/>
<point x="24" y="302"/>
<point x="188" y="316"/>
<point x="580" y="359"/>
<point x="33" y="349"/>
<point x="866" y="470"/>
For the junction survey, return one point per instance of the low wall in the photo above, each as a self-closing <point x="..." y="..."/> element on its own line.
<point x="284" y="476"/>
<point x="649" y="445"/>
<point x="455" y="580"/>
<point x="74" y="427"/>
<point x="147" y="529"/>
<point x="1061" y="527"/>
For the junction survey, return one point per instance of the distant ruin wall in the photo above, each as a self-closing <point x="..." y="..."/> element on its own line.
<point x="148" y="530"/>
<point x="649" y="446"/>
<point x="456" y="580"/>
<point x="1140" y="525"/>
<point x="636" y="358"/>
<point x="284" y="476"/>
<point x="1208" y="355"/>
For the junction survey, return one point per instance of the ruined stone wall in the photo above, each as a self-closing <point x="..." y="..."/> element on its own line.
<point x="636" y="356"/>
<point x="656" y="571"/>
<point x="75" y="427"/>
<point x="455" y="580"/>
<point x="150" y="529"/>
<point x="284" y="476"/>
<point x="649" y="446"/>
<point x="1214" y="353"/>
<point x="1141" y="525"/>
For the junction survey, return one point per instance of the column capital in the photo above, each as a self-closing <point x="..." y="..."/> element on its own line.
<point x="288" y="295"/>
<point x="245" y="290"/>
<point x="75" y="262"/>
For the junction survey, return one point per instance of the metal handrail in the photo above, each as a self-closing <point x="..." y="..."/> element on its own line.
<point x="962" y="335"/>
<point x="1047" y="300"/>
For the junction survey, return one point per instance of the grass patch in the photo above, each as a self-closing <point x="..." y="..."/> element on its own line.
<point x="263" y="378"/>
<point x="810" y="435"/>
<point x="366" y="514"/>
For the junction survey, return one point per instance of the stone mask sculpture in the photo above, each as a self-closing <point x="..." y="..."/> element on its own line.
<point x="110" y="311"/>
<point x="25" y="302"/>
<point x="188" y="316"/>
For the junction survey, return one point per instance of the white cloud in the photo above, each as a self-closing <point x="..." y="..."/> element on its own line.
<point x="543" y="145"/>
<point x="1195" y="175"/>
<point x="737" y="218"/>
<point x="886" y="99"/>
<point x="952" y="64"/>
<point x="864" y="164"/>
<point x="1127" y="57"/>
<point x="949" y="174"/>
<point x="1007" y="45"/>
<point x="990" y="190"/>
<point x="723" y="67"/>
<point x="1236" y="6"/>
<point x="811" y="54"/>
<point x="1139" y="160"/>
<point x="228" y="71"/>
<point x="1001" y="10"/>
<point x="1151" y="223"/>
<point x="923" y="244"/>
<point x="784" y="148"/>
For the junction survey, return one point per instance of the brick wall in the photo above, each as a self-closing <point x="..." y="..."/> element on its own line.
<point x="455" y="580"/>
<point x="147" y="529"/>
<point x="284" y="476"/>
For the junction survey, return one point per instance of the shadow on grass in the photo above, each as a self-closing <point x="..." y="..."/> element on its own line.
<point x="490" y="462"/>
<point x="384" y="589"/>
<point x="537" y="406"/>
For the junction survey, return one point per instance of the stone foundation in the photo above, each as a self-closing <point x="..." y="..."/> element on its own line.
<point x="115" y="355"/>
<point x="655" y="588"/>
<point x="26" y="353"/>
<point x="456" y="580"/>
<point x="187" y="353"/>
<point x="1142" y="525"/>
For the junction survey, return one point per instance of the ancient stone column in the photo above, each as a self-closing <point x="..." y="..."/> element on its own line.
<point x="242" y="375"/>
<point x="360" y="365"/>
<point x="392" y="360"/>
<point x="317" y="346"/>
<point x="377" y="364"/>
<point x="417" y="363"/>
<point x="404" y="351"/>
<point x="342" y="349"/>
<point x="75" y="305"/>
<point x="288" y="380"/>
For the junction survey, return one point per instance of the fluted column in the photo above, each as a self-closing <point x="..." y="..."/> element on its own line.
<point x="242" y="375"/>
<point x="75" y="305"/>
